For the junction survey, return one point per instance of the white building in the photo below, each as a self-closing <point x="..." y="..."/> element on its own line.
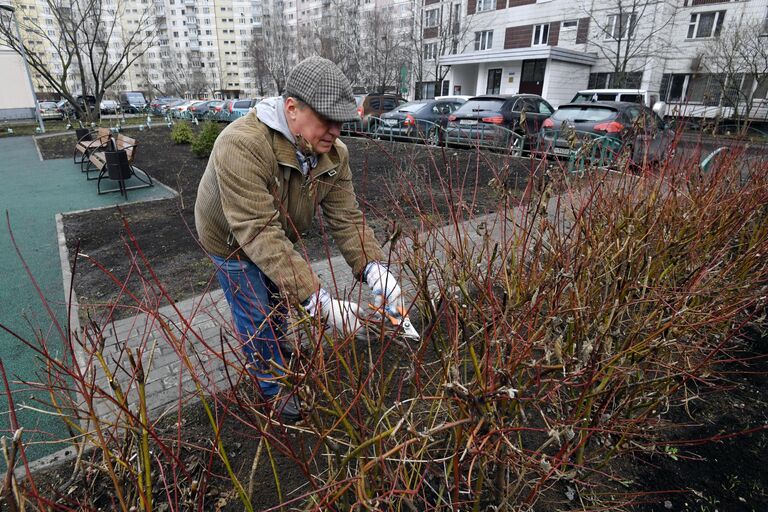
<point x="556" y="47"/>
<point x="17" y="100"/>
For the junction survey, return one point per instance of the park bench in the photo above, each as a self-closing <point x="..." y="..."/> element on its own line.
<point x="116" y="163"/>
<point x="89" y="141"/>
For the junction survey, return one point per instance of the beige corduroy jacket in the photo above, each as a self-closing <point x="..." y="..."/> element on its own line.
<point x="253" y="202"/>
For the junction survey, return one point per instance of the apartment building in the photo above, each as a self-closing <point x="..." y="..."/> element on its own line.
<point x="16" y="100"/>
<point x="556" y="47"/>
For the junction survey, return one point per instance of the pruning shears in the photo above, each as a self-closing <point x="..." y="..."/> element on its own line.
<point x="397" y="317"/>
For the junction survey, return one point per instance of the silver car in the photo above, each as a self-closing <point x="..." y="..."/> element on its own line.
<point x="50" y="110"/>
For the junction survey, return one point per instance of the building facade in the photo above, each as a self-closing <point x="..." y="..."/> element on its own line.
<point x="425" y="48"/>
<point x="557" y="47"/>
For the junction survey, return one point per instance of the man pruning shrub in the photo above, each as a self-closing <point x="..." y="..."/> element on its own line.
<point x="267" y="174"/>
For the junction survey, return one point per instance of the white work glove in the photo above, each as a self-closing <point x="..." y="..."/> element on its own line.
<point x="342" y="315"/>
<point x="384" y="287"/>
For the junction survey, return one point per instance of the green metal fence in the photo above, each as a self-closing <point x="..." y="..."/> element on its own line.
<point x="584" y="150"/>
<point x="426" y="132"/>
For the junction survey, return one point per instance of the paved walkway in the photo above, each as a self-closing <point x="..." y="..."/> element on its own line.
<point x="32" y="193"/>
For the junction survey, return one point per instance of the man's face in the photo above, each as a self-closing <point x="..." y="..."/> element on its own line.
<point x="315" y="129"/>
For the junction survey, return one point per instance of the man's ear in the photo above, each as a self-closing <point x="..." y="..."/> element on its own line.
<point x="291" y="105"/>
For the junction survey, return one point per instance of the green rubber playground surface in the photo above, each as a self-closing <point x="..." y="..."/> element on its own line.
<point x="31" y="194"/>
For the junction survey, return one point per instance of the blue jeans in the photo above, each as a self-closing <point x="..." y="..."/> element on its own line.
<point x="259" y="317"/>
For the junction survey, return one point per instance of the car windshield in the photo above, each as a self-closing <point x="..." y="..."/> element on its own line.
<point x="242" y="104"/>
<point x="579" y="114"/>
<point x="134" y="96"/>
<point x="48" y="104"/>
<point x="481" y="105"/>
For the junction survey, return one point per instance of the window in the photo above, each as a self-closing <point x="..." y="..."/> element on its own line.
<point x="628" y="80"/>
<point x="485" y="5"/>
<point x="493" y="86"/>
<point x="762" y="88"/>
<point x="620" y="26"/>
<point x="540" y="34"/>
<point x="544" y="108"/>
<point x="430" y="51"/>
<point x="428" y="90"/>
<point x="705" y="24"/>
<point x="570" y="24"/>
<point x="431" y="17"/>
<point x="484" y="40"/>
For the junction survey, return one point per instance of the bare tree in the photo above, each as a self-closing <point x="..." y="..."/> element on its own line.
<point x="272" y="49"/>
<point x="336" y="36"/>
<point x="386" y="52"/>
<point x="183" y="76"/>
<point x="738" y="63"/>
<point x="260" y="72"/>
<point x="341" y="38"/>
<point x="91" y="50"/>
<point x="627" y="33"/>
<point x="445" y="34"/>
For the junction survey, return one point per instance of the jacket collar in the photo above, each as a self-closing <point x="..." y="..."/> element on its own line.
<point x="285" y="152"/>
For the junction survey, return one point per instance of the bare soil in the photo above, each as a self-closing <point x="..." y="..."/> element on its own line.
<point x="723" y="468"/>
<point x="390" y="179"/>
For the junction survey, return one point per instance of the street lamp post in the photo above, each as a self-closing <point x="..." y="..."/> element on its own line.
<point x="5" y="5"/>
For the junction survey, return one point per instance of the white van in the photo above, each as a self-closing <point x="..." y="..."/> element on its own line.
<point x="648" y="98"/>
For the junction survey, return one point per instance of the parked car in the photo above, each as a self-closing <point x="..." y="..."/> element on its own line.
<point x="424" y="119"/>
<point x="373" y="105"/>
<point x="203" y="110"/>
<point x="168" y="107"/>
<point x="462" y="97"/>
<point x="160" y="105"/>
<point x="181" y="109"/>
<point x="65" y="107"/>
<point x="501" y="121"/>
<point x="82" y="101"/>
<point x="109" y="107"/>
<point x="605" y="131"/>
<point x="234" y="109"/>
<point x="132" y="101"/>
<point x="49" y="110"/>
<point x="629" y="95"/>
<point x="645" y="97"/>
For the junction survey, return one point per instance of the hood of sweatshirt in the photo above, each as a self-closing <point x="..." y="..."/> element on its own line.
<point x="271" y="112"/>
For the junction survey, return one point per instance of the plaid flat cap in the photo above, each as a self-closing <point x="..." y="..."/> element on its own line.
<point x="319" y="83"/>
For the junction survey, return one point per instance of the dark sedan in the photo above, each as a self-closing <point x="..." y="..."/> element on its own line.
<point x="422" y="120"/>
<point x="505" y="121"/>
<point x="604" y="131"/>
